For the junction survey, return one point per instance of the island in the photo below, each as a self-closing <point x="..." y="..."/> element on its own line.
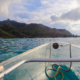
<point x="14" y="29"/>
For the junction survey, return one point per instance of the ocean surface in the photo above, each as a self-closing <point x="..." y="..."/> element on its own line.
<point x="13" y="47"/>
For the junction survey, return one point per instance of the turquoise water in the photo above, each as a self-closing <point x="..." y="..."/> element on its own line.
<point x="12" y="47"/>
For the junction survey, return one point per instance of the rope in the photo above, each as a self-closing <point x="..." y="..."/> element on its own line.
<point x="56" y="70"/>
<point x="59" y="67"/>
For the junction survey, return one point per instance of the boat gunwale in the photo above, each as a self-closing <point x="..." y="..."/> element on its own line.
<point x="24" y="53"/>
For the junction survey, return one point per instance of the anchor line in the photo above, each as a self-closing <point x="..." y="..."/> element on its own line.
<point x="56" y="70"/>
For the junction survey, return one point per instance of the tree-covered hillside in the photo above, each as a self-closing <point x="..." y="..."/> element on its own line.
<point x="13" y="29"/>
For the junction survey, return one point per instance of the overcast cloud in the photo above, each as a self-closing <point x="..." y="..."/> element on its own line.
<point x="72" y="15"/>
<point x="63" y="14"/>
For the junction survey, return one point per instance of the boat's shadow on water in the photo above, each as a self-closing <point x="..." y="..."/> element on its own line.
<point x="68" y="75"/>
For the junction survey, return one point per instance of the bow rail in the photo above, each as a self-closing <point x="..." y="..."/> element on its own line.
<point x="5" y="72"/>
<point x="38" y="60"/>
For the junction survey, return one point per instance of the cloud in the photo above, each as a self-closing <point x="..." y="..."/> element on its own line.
<point x="71" y="18"/>
<point x="60" y="25"/>
<point x="72" y="15"/>
<point x="41" y="11"/>
<point x="78" y="1"/>
<point x="2" y="17"/>
<point x="55" y="18"/>
<point x="75" y="28"/>
<point x="5" y="4"/>
<point x="34" y="11"/>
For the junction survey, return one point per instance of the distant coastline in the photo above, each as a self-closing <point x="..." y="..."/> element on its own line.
<point x="13" y="29"/>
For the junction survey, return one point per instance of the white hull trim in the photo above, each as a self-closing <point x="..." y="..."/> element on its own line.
<point x="38" y="60"/>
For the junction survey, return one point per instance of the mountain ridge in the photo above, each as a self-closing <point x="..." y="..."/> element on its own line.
<point x="14" y="29"/>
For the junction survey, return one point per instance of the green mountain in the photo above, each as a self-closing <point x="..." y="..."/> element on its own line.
<point x="13" y="29"/>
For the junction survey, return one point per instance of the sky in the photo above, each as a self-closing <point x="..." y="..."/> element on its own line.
<point x="60" y="14"/>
